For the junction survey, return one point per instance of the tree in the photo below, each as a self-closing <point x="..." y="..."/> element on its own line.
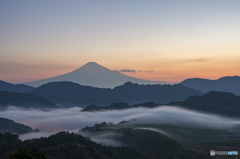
<point x="24" y="153"/>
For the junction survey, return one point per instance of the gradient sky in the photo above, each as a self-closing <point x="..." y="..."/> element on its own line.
<point x="173" y="39"/>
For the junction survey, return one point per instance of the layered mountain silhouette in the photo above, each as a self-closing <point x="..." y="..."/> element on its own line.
<point x="19" y="88"/>
<point x="224" y="84"/>
<point x="24" y="100"/>
<point x="93" y="74"/>
<point x="64" y="92"/>
<point x="223" y="103"/>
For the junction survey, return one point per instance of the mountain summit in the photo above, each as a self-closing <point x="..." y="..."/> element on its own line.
<point x="91" y="66"/>
<point x="93" y="74"/>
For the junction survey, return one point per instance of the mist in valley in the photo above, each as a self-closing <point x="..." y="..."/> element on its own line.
<point x="72" y="119"/>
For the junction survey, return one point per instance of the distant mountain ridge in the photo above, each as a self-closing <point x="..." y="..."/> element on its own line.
<point x="93" y="74"/>
<point x="223" y="103"/>
<point x="64" y="92"/>
<point x="224" y="84"/>
<point x="24" y="100"/>
<point x="119" y="106"/>
<point x="19" y="88"/>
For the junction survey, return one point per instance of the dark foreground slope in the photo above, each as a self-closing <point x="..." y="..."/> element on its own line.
<point x="64" y="145"/>
<point x="153" y="144"/>
<point x="25" y="100"/>
<point x="224" y="84"/>
<point x="65" y="92"/>
<point x="146" y="144"/>
<point x="7" y="125"/>
<point x="20" y="88"/>
<point x="215" y="102"/>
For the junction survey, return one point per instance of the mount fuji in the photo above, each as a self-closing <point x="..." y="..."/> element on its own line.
<point x="93" y="74"/>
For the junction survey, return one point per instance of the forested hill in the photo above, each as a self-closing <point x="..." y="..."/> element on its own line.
<point x="223" y="103"/>
<point x="119" y="106"/>
<point x="7" y="125"/>
<point x="64" y="145"/>
<point x="153" y="144"/>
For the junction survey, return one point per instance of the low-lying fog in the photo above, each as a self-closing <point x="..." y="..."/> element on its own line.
<point x="72" y="119"/>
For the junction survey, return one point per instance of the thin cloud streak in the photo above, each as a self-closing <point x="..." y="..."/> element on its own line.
<point x="198" y="60"/>
<point x="127" y="70"/>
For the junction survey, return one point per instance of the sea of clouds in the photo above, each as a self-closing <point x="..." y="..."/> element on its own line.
<point x="72" y="119"/>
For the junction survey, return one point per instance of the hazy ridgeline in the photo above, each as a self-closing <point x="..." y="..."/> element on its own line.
<point x="73" y="119"/>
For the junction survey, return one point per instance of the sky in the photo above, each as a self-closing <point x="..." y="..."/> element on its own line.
<point x="167" y="40"/>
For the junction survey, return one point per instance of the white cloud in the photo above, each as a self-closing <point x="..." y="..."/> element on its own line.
<point x="72" y="119"/>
